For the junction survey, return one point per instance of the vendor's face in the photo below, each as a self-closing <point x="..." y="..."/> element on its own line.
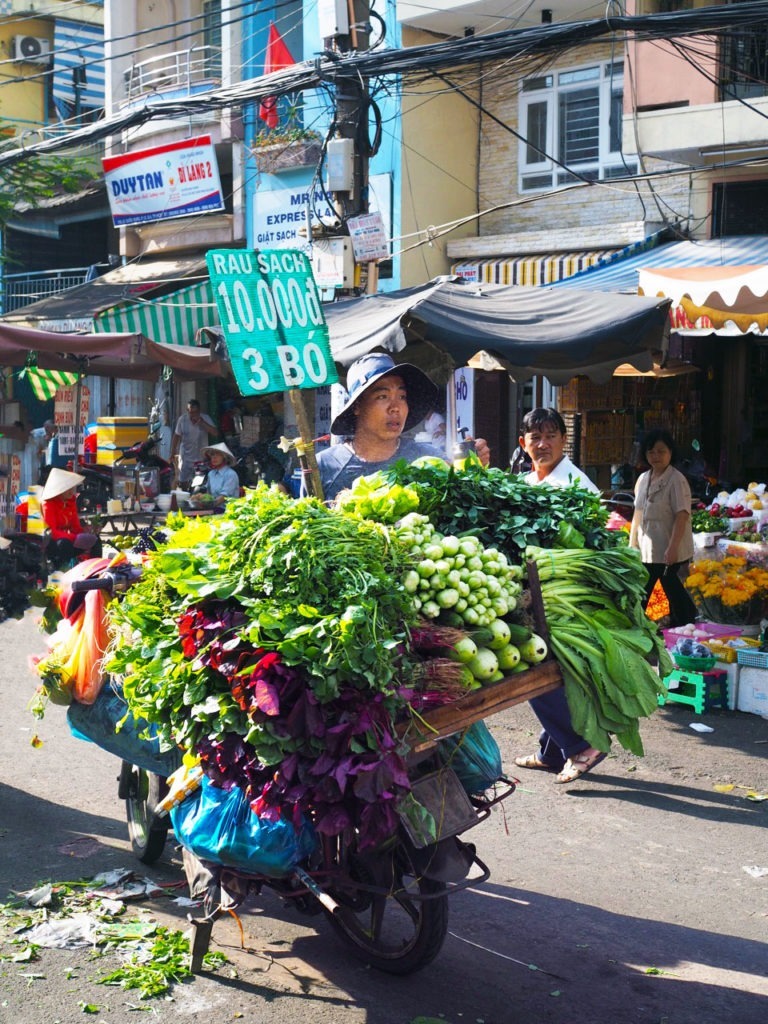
<point x="658" y="457"/>
<point x="383" y="409"/>
<point x="216" y="459"/>
<point x="545" y="446"/>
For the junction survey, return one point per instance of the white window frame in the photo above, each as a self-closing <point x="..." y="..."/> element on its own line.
<point x="543" y="173"/>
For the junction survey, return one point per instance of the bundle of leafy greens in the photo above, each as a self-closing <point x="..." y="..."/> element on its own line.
<point x="605" y="644"/>
<point x="504" y="511"/>
<point x="272" y="643"/>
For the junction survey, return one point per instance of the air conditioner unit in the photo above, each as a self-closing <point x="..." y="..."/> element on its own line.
<point x="31" y="50"/>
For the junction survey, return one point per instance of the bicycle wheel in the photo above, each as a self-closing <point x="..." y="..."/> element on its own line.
<point x="142" y="791"/>
<point x="399" y="931"/>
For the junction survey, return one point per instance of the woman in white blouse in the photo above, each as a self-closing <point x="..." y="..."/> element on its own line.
<point x="661" y="525"/>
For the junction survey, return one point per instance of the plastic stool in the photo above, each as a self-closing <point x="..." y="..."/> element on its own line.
<point x="702" y="690"/>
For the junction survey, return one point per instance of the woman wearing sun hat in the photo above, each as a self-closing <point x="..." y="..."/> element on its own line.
<point x="68" y="539"/>
<point x="223" y="482"/>
<point x="385" y="398"/>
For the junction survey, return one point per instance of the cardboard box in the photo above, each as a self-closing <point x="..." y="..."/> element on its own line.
<point x="753" y="691"/>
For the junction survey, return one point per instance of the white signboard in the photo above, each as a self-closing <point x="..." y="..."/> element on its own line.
<point x="65" y="416"/>
<point x="464" y="389"/>
<point x="180" y="179"/>
<point x="369" y="237"/>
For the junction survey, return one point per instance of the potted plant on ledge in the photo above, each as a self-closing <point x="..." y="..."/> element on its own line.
<point x="285" y="148"/>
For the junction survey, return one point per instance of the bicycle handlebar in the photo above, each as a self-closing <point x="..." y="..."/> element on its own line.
<point x="105" y="582"/>
<point x="108" y="581"/>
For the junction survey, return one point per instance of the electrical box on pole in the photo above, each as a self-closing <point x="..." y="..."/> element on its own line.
<point x="333" y="16"/>
<point x="340" y="166"/>
<point x="345" y="23"/>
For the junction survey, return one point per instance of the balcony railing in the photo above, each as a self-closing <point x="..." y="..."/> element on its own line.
<point x="20" y="289"/>
<point x="182" y="71"/>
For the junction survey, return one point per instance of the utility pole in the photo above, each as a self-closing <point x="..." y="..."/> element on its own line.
<point x="346" y="160"/>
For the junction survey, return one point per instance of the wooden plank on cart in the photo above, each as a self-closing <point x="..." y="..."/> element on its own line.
<point x="481" y="703"/>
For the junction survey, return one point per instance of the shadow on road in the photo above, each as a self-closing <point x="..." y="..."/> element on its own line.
<point x="44" y="840"/>
<point x="725" y="808"/>
<point x="592" y="968"/>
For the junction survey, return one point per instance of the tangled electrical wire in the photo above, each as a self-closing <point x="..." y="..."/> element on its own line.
<point x="418" y="63"/>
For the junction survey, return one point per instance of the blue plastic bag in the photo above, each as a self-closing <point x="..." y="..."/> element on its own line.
<point x="475" y="757"/>
<point x="135" y="739"/>
<point x="218" y="825"/>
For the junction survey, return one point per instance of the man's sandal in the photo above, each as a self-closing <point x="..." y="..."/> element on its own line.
<point x="579" y="765"/>
<point x="534" y="761"/>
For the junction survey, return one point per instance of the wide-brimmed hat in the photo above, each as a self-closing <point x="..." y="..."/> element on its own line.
<point x="222" y="450"/>
<point x="59" y="482"/>
<point x="363" y="374"/>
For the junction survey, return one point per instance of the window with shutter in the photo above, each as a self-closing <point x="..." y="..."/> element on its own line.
<point x="572" y="127"/>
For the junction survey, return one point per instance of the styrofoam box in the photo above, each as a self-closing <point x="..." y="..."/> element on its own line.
<point x="746" y="522"/>
<point x="753" y="691"/>
<point x="732" y="670"/>
<point x="704" y="540"/>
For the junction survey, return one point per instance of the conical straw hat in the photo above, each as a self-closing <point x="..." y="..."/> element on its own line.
<point x="59" y="481"/>
<point x="222" y="449"/>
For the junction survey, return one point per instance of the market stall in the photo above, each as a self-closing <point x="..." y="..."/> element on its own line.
<point x="123" y="356"/>
<point x="728" y="581"/>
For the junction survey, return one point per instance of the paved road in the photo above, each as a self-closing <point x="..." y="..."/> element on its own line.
<point x="626" y="892"/>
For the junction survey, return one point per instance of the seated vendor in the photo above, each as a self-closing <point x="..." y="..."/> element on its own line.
<point x="69" y="541"/>
<point x="223" y="481"/>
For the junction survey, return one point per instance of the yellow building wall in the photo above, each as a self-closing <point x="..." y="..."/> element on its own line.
<point x="439" y="154"/>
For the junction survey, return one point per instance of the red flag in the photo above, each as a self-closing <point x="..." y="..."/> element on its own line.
<point x="278" y="57"/>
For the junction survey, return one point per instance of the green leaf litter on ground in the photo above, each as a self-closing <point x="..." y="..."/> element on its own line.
<point x="154" y="969"/>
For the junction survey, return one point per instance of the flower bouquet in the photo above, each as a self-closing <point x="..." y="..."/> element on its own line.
<point x="728" y="591"/>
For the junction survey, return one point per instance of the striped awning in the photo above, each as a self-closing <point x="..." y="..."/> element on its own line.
<point x="78" y="68"/>
<point x="623" y="275"/>
<point x="45" y="383"/>
<point x="173" y="319"/>
<point x="528" y="270"/>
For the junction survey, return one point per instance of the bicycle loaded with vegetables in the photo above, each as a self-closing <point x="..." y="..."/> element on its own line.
<point x="385" y="399"/>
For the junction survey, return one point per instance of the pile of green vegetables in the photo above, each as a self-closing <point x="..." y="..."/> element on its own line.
<point x="282" y="642"/>
<point x="272" y="642"/>
<point x="499" y="508"/>
<point x="592" y="584"/>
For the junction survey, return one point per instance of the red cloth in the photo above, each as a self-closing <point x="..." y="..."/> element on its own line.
<point x="278" y="57"/>
<point x="61" y="518"/>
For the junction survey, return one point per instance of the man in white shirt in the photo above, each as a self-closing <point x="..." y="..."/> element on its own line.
<point x="190" y="436"/>
<point x="543" y="438"/>
<point x="561" y="749"/>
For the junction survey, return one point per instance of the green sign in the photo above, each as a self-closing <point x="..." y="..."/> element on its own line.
<point x="272" y="319"/>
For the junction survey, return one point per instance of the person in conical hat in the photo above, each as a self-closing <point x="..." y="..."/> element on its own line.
<point x="223" y="482"/>
<point x="60" y="482"/>
<point x="69" y="541"/>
